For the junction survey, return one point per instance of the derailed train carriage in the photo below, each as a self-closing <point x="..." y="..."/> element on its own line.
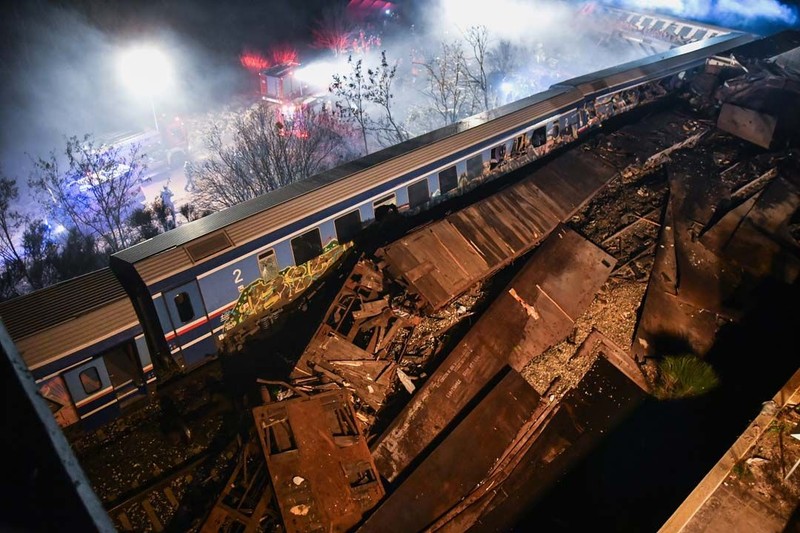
<point x="91" y="342"/>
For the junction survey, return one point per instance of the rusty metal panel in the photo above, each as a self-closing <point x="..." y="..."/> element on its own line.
<point x="444" y="259"/>
<point x="757" y="128"/>
<point x="556" y="442"/>
<point x="761" y="243"/>
<point x="574" y="178"/>
<point x="537" y="309"/>
<point x="321" y="470"/>
<point x="461" y="461"/>
<point x="607" y="397"/>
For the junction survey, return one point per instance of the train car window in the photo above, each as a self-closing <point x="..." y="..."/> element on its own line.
<point x="385" y="201"/>
<point x="184" y="306"/>
<point x="90" y="380"/>
<point x="418" y="193"/>
<point x="539" y="137"/>
<point x="348" y="226"/>
<point x="448" y="179"/>
<point x="519" y="144"/>
<point x="474" y="166"/>
<point x="307" y="246"/>
<point x="268" y="264"/>
<point x="686" y="30"/>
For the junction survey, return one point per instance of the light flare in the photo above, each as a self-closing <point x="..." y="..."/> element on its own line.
<point x="253" y="61"/>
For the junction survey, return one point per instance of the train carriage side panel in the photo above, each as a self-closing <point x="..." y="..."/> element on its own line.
<point x="316" y="202"/>
<point x="148" y="370"/>
<point x="165" y="256"/>
<point x="90" y="386"/>
<point x="191" y="334"/>
<point x="221" y="287"/>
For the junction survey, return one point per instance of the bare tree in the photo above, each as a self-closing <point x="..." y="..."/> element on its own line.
<point x="333" y="30"/>
<point x="40" y="252"/>
<point x="446" y="78"/>
<point x="388" y="129"/>
<point x="352" y="93"/>
<point x="10" y="222"/>
<point x="97" y="190"/>
<point x="268" y="151"/>
<point x="77" y="255"/>
<point x="477" y="38"/>
<point x="505" y="57"/>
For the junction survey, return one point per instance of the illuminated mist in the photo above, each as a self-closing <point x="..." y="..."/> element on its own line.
<point x="60" y="70"/>
<point x="740" y="14"/>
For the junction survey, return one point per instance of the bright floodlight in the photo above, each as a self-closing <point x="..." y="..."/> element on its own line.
<point x="145" y="70"/>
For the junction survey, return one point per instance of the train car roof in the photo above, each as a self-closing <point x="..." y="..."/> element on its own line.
<point x="44" y="308"/>
<point x="67" y="322"/>
<point x="647" y="13"/>
<point x="771" y="46"/>
<point x="221" y="219"/>
<point x="676" y="58"/>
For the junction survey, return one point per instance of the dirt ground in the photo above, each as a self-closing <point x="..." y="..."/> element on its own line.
<point x="766" y="474"/>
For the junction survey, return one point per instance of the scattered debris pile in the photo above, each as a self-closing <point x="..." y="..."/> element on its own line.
<point x="373" y="337"/>
<point x="247" y="501"/>
<point x="536" y="310"/>
<point x="726" y="227"/>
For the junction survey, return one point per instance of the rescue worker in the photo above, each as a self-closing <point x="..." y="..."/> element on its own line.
<point x="188" y="171"/>
<point x="166" y="200"/>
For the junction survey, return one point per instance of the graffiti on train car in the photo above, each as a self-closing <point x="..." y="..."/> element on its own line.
<point x="261" y="297"/>
<point x="55" y="392"/>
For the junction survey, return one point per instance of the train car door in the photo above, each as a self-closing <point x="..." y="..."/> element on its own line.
<point x="191" y="334"/>
<point x="125" y="371"/>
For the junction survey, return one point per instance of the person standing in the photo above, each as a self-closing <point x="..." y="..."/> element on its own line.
<point x="188" y="171"/>
<point x="169" y="206"/>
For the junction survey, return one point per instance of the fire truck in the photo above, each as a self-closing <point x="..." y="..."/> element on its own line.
<point x="167" y="147"/>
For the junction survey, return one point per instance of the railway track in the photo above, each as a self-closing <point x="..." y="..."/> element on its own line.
<point x="150" y="508"/>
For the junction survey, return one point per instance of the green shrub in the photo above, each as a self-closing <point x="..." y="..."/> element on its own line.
<point x="684" y="376"/>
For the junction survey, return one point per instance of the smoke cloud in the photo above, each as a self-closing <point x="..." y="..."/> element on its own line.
<point x="740" y="14"/>
<point x="60" y="65"/>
